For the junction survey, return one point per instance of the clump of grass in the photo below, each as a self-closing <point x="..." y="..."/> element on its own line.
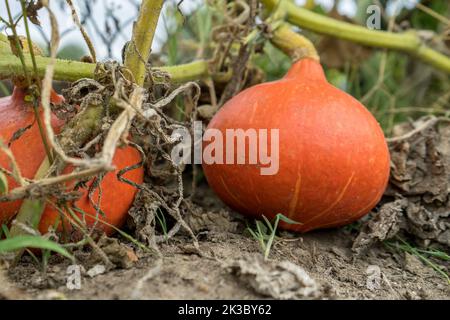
<point x="160" y="217"/>
<point x="265" y="232"/>
<point x="37" y="242"/>
<point x="424" y="255"/>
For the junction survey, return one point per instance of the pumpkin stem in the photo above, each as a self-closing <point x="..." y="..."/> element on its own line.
<point x="293" y="44"/>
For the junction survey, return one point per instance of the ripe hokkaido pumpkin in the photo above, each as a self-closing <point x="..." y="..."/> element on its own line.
<point x="333" y="157"/>
<point x="29" y="152"/>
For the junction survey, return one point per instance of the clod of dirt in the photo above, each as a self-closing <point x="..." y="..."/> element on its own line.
<point x="419" y="184"/>
<point x="96" y="270"/>
<point x="413" y="264"/>
<point x="220" y="221"/>
<point x="118" y="253"/>
<point x="278" y="280"/>
<point x="384" y="225"/>
<point x="7" y="290"/>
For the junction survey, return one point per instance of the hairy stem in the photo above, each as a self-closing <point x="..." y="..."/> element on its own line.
<point x="17" y="43"/>
<point x="35" y="95"/>
<point x="138" y="50"/>
<point x="27" y="29"/>
<point x="66" y="70"/>
<point x="192" y="71"/>
<point x="408" y="42"/>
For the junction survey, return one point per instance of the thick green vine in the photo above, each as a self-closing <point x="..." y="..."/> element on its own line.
<point x="408" y="42"/>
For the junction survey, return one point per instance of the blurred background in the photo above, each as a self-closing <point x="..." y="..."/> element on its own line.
<point x="394" y="86"/>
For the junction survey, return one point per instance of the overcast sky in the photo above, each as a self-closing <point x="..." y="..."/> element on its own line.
<point x="127" y="10"/>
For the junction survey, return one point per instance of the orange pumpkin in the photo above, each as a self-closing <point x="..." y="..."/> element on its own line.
<point x="29" y="152"/>
<point x="333" y="157"/>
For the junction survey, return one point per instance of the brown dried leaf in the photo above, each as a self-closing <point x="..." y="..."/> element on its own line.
<point x="420" y="175"/>
<point x="384" y="225"/>
<point x="32" y="11"/>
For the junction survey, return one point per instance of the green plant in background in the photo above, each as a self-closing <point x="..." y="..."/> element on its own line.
<point x="189" y="37"/>
<point x="273" y="62"/>
<point x="71" y="51"/>
<point x="265" y="232"/>
<point x="432" y="15"/>
<point x="4" y="90"/>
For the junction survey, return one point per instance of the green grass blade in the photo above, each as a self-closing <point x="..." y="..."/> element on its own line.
<point x="268" y="224"/>
<point x="23" y="242"/>
<point x="252" y="233"/>
<point x="286" y="219"/>
<point x="3" y="183"/>
<point x="4" y="231"/>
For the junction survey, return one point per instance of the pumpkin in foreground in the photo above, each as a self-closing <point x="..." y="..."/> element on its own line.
<point x="29" y="152"/>
<point x="333" y="157"/>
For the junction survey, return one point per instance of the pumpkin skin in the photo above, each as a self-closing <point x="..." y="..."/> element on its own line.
<point x="333" y="157"/>
<point x="117" y="197"/>
<point x="28" y="150"/>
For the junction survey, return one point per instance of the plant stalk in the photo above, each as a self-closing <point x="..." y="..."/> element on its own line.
<point x="293" y="44"/>
<point x="407" y="42"/>
<point x="138" y="50"/>
<point x="67" y="70"/>
<point x="35" y="98"/>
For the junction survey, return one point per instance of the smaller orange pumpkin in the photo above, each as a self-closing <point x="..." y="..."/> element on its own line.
<point x="115" y="201"/>
<point x="117" y="197"/>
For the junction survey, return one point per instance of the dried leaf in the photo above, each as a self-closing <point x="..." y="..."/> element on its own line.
<point x="420" y="175"/>
<point x="32" y="11"/>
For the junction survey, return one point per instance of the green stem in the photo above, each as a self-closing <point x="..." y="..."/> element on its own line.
<point x="10" y="66"/>
<point x="4" y="89"/>
<point x="17" y="43"/>
<point x="67" y="70"/>
<point x="42" y="129"/>
<point x="31" y="210"/>
<point x="27" y="30"/>
<point x="408" y="42"/>
<point x="293" y="44"/>
<point x="35" y="102"/>
<point x="20" y="53"/>
<point x="192" y="71"/>
<point x="138" y="50"/>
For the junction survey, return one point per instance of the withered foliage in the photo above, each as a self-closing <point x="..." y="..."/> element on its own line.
<point x="417" y="199"/>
